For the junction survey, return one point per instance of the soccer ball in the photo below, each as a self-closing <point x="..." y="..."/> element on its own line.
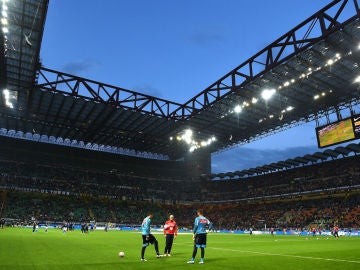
<point x="121" y="254"/>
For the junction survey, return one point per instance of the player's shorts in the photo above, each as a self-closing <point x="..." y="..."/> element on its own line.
<point x="148" y="239"/>
<point x="200" y="240"/>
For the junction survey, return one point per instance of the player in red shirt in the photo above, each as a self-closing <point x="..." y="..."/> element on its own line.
<point x="170" y="233"/>
<point x="336" y="231"/>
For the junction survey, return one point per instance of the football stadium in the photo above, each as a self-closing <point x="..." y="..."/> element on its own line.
<point x="85" y="165"/>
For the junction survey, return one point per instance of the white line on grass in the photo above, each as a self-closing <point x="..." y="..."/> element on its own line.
<point x="285" y="255"/>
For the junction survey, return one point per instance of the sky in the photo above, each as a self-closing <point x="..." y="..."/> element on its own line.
<point x="174" y="49"/>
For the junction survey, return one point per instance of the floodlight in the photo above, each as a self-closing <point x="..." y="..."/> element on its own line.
<point x="268" y="93"/>
<point x="330" y="62"/>
<point x="6" y="93"/>
<point x="237" y="109"/>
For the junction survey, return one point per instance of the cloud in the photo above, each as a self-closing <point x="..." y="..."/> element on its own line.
<point x="245" y="158"/>
<point x="203" y="38"/>
<point x="81" y="66"/>
<point x="148" y="90"/>
<point x="207" y="36"/>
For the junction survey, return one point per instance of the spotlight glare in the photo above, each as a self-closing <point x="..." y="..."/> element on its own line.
<point x="268" y="93"/>
<point x="330" y="62"/>
<point x="237" y="109"/>
<point x="316" y="97"/>
<point x="6" y="93"/>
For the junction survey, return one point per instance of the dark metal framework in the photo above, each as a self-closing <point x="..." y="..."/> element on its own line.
<point x="308" y="33"/>
<point x="59" y="105"/>
<point x="316" y="28"/>
<point x="67" y="84"/>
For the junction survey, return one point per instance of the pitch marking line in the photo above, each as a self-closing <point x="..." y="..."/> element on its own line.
<point x="285" y="255"/>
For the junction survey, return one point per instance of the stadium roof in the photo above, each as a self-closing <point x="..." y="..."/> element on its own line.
<point x="293" y="163"/>
<point x="305" y="74"/>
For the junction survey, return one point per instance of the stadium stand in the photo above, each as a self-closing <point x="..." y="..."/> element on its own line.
<point x="75" y="150"/>
<point x="77" y="190"/>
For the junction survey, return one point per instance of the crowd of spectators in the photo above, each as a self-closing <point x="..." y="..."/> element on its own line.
<point x="292" y="214"/>
<point x="332" y="176"/>
<point x="319" y="194"/>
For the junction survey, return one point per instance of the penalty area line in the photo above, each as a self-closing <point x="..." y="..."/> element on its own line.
<point x="286" y="255"/>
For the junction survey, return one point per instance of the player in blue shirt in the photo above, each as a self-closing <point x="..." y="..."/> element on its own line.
<point x="147" y="237"/>
<point x="201" y="227"/>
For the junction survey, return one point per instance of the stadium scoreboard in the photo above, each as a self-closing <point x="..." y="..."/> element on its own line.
<point x="344" y="130"/>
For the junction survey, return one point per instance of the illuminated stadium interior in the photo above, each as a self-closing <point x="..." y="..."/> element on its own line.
<point x="58" y="130"/>
<point x="271" y="91"/>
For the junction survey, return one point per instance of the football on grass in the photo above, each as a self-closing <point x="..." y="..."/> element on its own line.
<point x="121" y="254"/>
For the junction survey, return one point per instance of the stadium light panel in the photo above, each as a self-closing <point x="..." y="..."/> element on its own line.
<point x="286" y="84"/>
<point x="237" y="109"/>
<point x="268" y="93"/>
<point x="8" y="97"/>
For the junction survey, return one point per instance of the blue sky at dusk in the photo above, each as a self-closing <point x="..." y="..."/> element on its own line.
<point x="174" y="49"/>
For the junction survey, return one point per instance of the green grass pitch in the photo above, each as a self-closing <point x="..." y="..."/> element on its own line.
<point x="22" y="249"/>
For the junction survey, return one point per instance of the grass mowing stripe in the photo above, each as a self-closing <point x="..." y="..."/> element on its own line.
<point x="285" y="255"/>
<point x="20" y="249"/>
